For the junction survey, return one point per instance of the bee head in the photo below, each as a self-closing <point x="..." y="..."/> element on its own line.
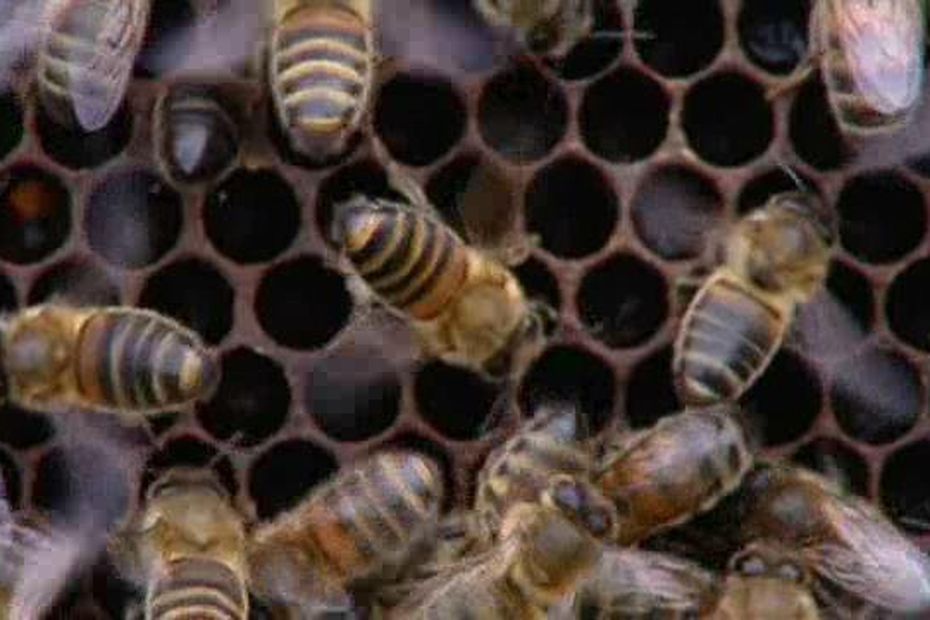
<point x="36" y="348"/>
<point x="813" y="210"/>
<point x="582" y="504"/>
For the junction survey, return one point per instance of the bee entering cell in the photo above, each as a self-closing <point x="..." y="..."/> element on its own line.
<point x="35" y="216"/>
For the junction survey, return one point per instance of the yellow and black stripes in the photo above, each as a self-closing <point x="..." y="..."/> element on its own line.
<point x="411" y="260"/>
<point x="198" y="588"/>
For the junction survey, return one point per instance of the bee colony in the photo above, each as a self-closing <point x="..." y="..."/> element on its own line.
<point x="692" y="203"/>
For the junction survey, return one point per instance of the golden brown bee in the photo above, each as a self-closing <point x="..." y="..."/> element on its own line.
<point x="775" y="259"/>
<point x="196" y="137"/>
<point x="321" y="71"/>
<point x="847" y="544"/>
<point x="120" y="360"/>
<point x="86" y="57"/>
<point x="766" y="582"/>
<point x="544" y="27"/>
<point x="187" y="549"/>
<point x="365" y="521"/>
<point x="547" y="548"/>
<point x="678" y="468"/>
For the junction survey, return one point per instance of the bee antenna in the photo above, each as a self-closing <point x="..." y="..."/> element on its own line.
<point x="794" y="176"/>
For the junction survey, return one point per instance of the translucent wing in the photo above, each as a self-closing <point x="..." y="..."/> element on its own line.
<point x="883" y="41"/>
<point x="20" y="31"/>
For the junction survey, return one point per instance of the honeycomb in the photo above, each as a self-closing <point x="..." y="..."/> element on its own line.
<point x="626" y="160"/>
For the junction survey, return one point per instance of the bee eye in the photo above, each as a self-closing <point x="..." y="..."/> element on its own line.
<point x="600" y="522"/>
<point x="790" y="572"/>
<point x="751" y="566"/>
<point x="568" y="496"/>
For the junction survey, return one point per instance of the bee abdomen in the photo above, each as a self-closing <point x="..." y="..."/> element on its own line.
<point x="199" y="139"/>
<point x="139" y="361"/>
<point x="727" y="339"/>
<point x="198" y="588"/>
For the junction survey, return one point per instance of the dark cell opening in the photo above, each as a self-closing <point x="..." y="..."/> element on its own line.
<point x="169" y="22"/>
<point x="877" y="396"/>
<point x="596" y="52"/>
<point x="455" y="401"/>
<point x="836" y="461"/>
<point x="784" y="402"/>
<point x="727" y="120"/>
<point x="773" y="33"/>
<point x="282" y="476"/>
<point x="572" y="207"/>
<point x="650" y="392"/>
<point x="419" y="118"/>
<point x="674" y="211"/>
<point x="301" y="304"/>
<point x="683" y="37"/>
<point x="12" y="483"/>
<point x="189" y="451"/>
<point x="75" y="282"/>
<point x="79" y="149"/>
<point x="133" y="219"/>
<point x="624" y="116"/>
<point x="813" y="130"/>
<point x="623" y="301"/>
<point x="22" y="429"/>
<point x="252" y="217"/>
<point x="521" y="114"/>
<point x="11" y="123"/>
<point x="353" y="393"/>
<point x="565" y="374"/>
<point x="539" y="283"/>
<point x="35" y="214"/>
<point x="7" y="294"/>
<point x="762" y="187"/>
<point x="905" y="487"/>
<point x="251" y="402"/>
<point x="906" y="305"/>
<point x="882" y="217"/>
<point x="433" y="451"/>
<point x="194" y="293"/>
<point x="363" y="177"/>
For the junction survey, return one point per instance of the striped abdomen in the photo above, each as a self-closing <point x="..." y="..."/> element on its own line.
<point x="727" y="338"/>
<point x="197" y="137"/>
<point x="134" y="360"/>
<point x="321" y="72"/>
<point x="86" y="60"/>
<point x="197" y="589"/>
<point x="413" y="262"/>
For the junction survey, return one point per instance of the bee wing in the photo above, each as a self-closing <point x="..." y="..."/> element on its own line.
<point x="871" y="559"/>
<point x="20" y="31"/>
<point x="883" y="41"/>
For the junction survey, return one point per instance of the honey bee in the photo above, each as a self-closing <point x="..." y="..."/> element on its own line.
<point x="364" y="522"/>
<point x="196" y="137"/>
<point x="85" y="59"/>
<point x="126" y="361"/>
<point x="682" y="466"/>
<point x="321" y="71"/>
<point x="846" y="544"/>
<point x="775" y="259"/>
<point x="547" y="548"/>
<point x="544" y="27"/>
<point x="187" y="549"/>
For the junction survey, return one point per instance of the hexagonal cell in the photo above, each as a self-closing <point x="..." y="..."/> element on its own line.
<point x="675" y="209"/>
<point x="650" y="391"/>
<point x="80" y="150"/>
<point x="756" y="192"/>
<point x="727" y="120"/>
<point x="877" y="396"/>
<point x="194" y="293"/>
<point x="133" y="219"/>
<point x="773" y="33"/>
<point x="7" y="293"/>
<point x="77" y="282"/>
<point x="35" y="214"/>
<point x="867" y="231"/>
<point x="624" y="116"/>
<point x="595" y="53"/>
<point x="301" y="304"/>
<point x="566" y="374"/>
<point x="419" y="117"/>
<point x="12" y="490"/>
<point x="11" y="123"/>
<point x="906" y="307"/>
<point x="905" y="487"/>
<point x="252" y="217"/>
<point x="188" y="451"/>
<point x="836" y="461"/>
<point x="623" y="301"/>
<point x="454" y="401"/>
<point x="572" y="207"/>
<point x="684" y="37"/>
<point x="814" y="133"/>
<point x="539" y="283"/>
<point x="521" y="114"/>
<point x="360" y="177"/>
<point x="251" y="402"/>
<point x="784" y="403"/>
<point x="285" y="473"/>
<point x="167" y="37"/>
<point x="22" y="429"/>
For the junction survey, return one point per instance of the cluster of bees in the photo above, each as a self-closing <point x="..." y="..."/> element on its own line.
<point x="558" y="517"/>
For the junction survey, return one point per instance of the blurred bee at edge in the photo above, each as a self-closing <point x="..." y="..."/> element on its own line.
<point x="543" y="27"/>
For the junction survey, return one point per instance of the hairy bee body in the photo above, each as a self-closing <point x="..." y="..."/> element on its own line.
<point x="776" y="259"/>
<point x="364" y="521"/>
<point x="680" y="467"/>
<point x="549" y="27"/>
<point x="86" y="57"/>
<point x="322" y="61"/>
<point x="122" y="360"/>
